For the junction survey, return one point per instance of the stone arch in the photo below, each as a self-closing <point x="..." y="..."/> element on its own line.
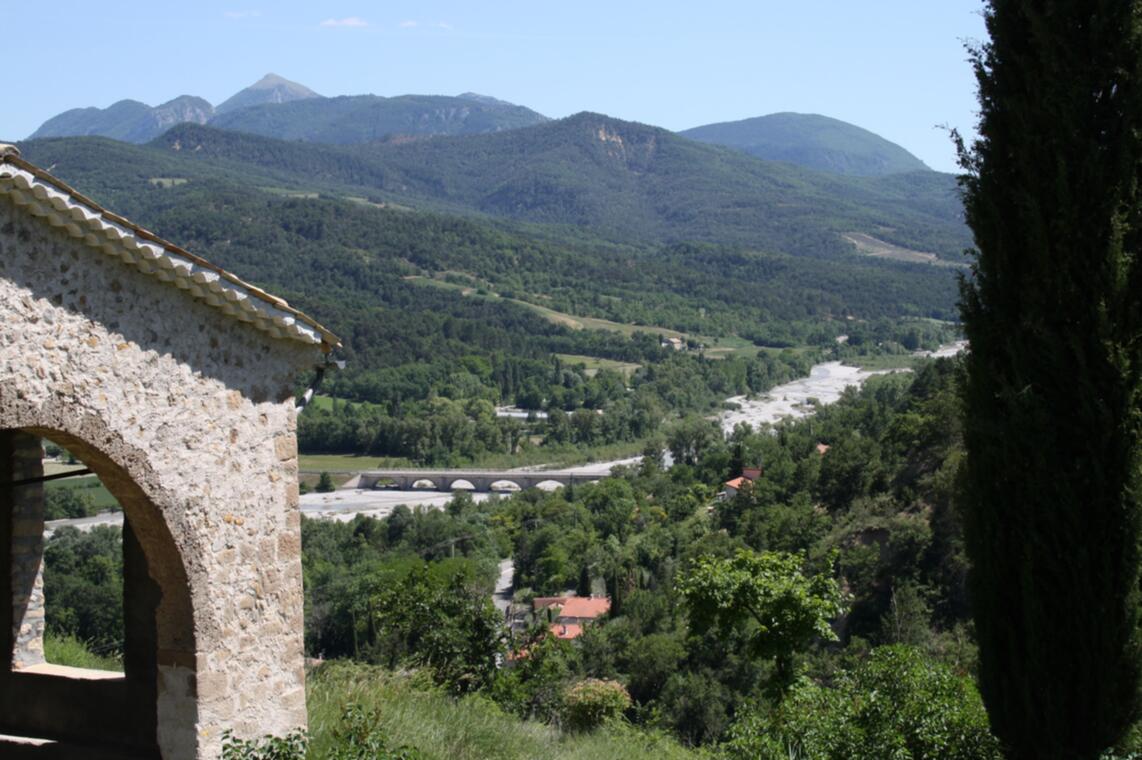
<point x="152" y="708"/>
<point x="504" y="486"/>
<point x="549" y="485"/>
<point x="424" y="484"/>
<point x="461" y="484"/>
<point x="174" y="379"/>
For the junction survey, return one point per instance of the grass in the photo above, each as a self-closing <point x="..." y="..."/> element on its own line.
<point x="885" y="361"/>
<point x="716" y="348"/>
<point x="595" y="323"/>
<point x="60" y="649"/>
<point x="89" y="485"/>
<point x="55" y="468"/>
<point x="465" y="290"/>
<point x="870" y="246"/>
<point x="332" y="463"/>
<point x="594" y="364"/>
<point x="723" y="348"/>
<point x="558" y="456"/>
<point x="558" y="317"/>
<point x="440" y="727"/>
<point x="375" y="204"/>
<point x="286" y="192"/>
<point x="325" y="403"/>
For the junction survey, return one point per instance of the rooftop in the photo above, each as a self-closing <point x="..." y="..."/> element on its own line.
<point x="566" y="630"/>
<point x="586" y="607"/>
<point x="45" y="196"/>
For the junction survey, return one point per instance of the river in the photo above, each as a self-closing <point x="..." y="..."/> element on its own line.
<point x="825" y="384"/>
<point x="800" y="398"/>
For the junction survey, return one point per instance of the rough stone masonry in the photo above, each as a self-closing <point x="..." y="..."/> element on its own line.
<point x="173" y="381"/>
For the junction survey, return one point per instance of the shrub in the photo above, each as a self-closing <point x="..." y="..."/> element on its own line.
<point x="897" y="704"/>
<point x="292" y="746"/>
<point x="591" y="703"/>
<point x="359" y="737"/>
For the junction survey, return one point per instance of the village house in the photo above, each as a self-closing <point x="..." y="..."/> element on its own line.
<point x="569" y="614"/>
<point x="731" y="488"/>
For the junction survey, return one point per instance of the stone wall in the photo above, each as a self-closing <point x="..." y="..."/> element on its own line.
<point x="187" y="416"/>
<point x="25" y="534"/>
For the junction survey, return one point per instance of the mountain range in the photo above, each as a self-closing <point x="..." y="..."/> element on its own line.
<point x="587" y="175"/>
<point x="278" y="108"/>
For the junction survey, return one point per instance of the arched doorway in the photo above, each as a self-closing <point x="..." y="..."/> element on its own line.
<point x="174" y="380"/>
<point x="116" y="711"/>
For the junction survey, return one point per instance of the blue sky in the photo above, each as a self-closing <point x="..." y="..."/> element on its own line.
<point x="896" y="67"/>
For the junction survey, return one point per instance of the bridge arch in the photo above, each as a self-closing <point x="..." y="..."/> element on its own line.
<point x="504" y="486"/>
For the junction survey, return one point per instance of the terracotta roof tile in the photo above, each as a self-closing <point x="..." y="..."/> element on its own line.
<point x="43" y="195"/>
<point x="587" y="607"/>
<point x="566" y="630"/>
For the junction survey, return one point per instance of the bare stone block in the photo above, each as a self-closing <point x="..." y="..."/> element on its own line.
<point x="285" y="447"/>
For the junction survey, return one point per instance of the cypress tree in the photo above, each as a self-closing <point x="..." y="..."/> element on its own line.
<point x="1053" y="477"/>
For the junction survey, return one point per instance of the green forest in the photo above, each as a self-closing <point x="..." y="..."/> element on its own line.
<point x="822" y="613"/>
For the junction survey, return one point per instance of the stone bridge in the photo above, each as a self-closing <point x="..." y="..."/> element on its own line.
<point x="475" y="480"/>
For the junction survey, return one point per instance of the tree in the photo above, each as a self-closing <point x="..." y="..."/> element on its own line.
<point x="83" y="586"/>
<point x="325" y="483"/>
<point x="689" y="438"/>
<point x="896" y="704"/>
<point x="769" y="589"/>
<point x="445" y="624"/>
<point x="1053" y="424"/>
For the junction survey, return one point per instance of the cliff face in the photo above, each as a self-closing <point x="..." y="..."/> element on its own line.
<point x="127" y="120"/>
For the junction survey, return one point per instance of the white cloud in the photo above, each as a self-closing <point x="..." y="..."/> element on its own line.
<point x="350" y="21"/>
<point x="408" y="24"/>
<point x="241" y="14"/>
<point x="444" y="25"/>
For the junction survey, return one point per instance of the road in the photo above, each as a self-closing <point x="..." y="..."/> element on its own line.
<point x="502" y="596"/>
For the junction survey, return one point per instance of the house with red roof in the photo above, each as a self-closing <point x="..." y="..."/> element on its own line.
<point x="569" y="614"/>
<point x="745" y="480"/>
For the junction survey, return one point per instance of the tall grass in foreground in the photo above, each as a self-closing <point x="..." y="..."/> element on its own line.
<point x="65" y="649"/>
<point x="414" y="713"/>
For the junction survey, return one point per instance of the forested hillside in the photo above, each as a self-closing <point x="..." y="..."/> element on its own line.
<point x="478" y="310"/>
<point x="614" y="179"/>
<point x="853" y="522"/>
